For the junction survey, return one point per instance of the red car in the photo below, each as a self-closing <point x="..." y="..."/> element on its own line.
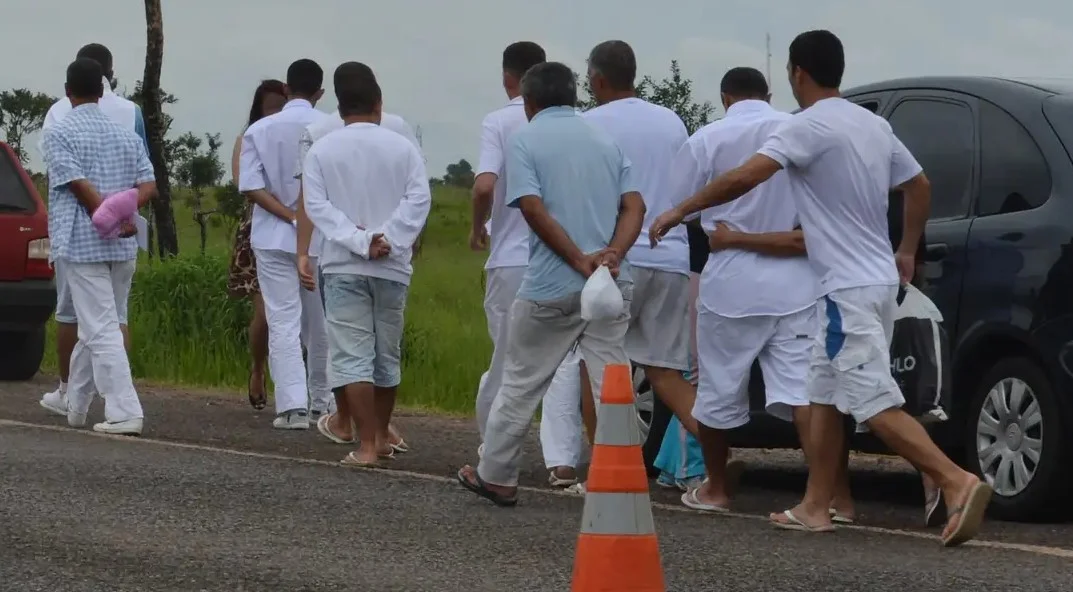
<point x="27" y="289"/>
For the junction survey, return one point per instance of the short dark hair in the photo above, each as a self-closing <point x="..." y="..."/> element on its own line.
<point x="520" y="56"/>
<point x="550" y="84"/>
<point x="356" y="89"/>
<point x="85" y="79"/>
<point x="100" y="54"/>
<point x="744" y="83"/>
<point x="305" y="77"/>
<point x="820" y="55"/>
<point x="615" y="61"/>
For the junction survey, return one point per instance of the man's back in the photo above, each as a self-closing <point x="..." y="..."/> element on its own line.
<point x="739" y="282"/>
<point x="843" y="161"/>
<point x="509" y="235"/>
<point x="86" y="144"/>
<point x="270" y="149"/>
<point x="580" y="175"/>
<point x="650" y="137"/>
<point x="366" y="171"/>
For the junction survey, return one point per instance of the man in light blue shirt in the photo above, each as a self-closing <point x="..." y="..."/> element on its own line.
<point x="574" y="187"/>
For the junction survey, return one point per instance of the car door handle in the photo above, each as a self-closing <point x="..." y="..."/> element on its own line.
<point x="936" y="251"/>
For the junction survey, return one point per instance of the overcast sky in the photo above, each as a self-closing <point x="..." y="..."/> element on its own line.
<point x="438" y="61"/>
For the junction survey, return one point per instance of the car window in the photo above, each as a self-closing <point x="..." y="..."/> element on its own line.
<point x="1014" y="175"/>
<point x="14" y="197"/>
<point x="941" y="135"/>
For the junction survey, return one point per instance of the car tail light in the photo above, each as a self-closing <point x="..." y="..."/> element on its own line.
<point x="37" y="265"/>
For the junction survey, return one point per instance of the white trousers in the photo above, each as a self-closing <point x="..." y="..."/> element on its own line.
<point x="295" y="318"/>
<point x="98" y="291"/>
<point x="560" y="426"/>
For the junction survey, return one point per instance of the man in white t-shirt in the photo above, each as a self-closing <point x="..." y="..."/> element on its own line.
<point x="129" y="115"/>
<point x="650" y="136"/>
<point x="503" y="232"/>
<point x="757" y="292"/>
<point x="335" y="426"/>
<point x="843" y="161"/>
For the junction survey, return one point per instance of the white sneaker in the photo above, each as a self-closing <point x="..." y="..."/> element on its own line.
<point x="297" y="419"/>
<point x="130" y="427"/>
<point x="55" y="402"/>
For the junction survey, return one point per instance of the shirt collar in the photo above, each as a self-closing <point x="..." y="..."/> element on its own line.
<point x="298" y="104"/>
<point x="748" y="106"/>
<point x="555" y="112"/>
<point x="107" y="86"/>
<point x="518" y="100"/>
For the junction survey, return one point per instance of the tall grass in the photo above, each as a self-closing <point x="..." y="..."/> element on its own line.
<point x="185" y="330"/>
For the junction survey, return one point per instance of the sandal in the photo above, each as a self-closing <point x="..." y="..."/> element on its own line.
<point x="933" y="505"/>
<point x="260" y="400"/>
<point x="787" y="521"/>
<point x="479" y="487"/>
<point x="969" y="515"/>
<point x="352" y="460"/>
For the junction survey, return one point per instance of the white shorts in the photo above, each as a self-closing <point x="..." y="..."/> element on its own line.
<point x="727" y="347"/>
<point x="851" y="354"/>
<point x="659" y="330"/>
<point x="65" y="307"/>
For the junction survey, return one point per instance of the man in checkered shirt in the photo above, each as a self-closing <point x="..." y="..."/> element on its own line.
<point x="89" y="157"/>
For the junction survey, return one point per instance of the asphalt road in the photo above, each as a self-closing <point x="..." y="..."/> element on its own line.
<point x="213" y="499"/>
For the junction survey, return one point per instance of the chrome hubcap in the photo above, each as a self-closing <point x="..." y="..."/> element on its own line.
<point x="1009" y="436"/>
<point x="643" y="399"/>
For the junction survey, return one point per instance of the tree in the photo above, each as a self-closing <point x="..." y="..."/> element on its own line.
<point x="138" y="97"/>
<point x="198" y="168"/>
<point x="674" y="92"/>
<point x="459" y="174"/>
<point x="22" y="112"/>
<point x="156" y="128"/>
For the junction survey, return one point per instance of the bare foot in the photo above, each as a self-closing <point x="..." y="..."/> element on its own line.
<point x="707" y="494"/>
<point x="965" y="508"/>
<point x="844" y="509"/>
<point x="562" y="476"/>
<point x="469" y="475"/>
<point x="342" y="428"/>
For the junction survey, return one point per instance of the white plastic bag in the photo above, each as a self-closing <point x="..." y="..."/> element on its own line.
<point x="600" y="298"/>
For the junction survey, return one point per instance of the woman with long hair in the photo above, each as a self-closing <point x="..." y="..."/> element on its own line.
<point x="268" y="99"/>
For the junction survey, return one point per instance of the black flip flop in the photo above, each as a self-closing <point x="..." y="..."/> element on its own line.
<point x="481" y="489"/>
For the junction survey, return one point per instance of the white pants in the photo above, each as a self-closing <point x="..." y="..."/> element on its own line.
<point x="560" y="426"/>
<point x="295" y="318"/>
<point x="98" y="291"/>
<point x="727" y="348"/>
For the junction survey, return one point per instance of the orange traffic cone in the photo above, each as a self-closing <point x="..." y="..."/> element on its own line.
<point x="617" y="550"/>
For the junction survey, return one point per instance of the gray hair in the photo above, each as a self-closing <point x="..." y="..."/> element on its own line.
<point x="615" y="61"/>
<point x="551" y="84"/>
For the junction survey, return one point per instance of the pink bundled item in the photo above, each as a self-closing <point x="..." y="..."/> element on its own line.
<point x="113" y="211"/>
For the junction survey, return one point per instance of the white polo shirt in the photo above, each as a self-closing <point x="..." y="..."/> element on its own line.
<point x="650" y="136"/>
<point x="270" y="148"/>
<point x="330" y="123"/>
<point x="507" y="230"/>
<point x="366" y="175"/>
<point x="843" y="160"/>
<point x="735" y="282"/>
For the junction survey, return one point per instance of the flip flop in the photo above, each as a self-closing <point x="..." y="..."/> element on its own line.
<point x="387" y="456"/>
<point x="840" y="519"/>
<point x="481" y="489"/>
<point x="969" y="515"/>
<point x="401" y="446"/>
<point x="793" y="523"/>
<point x="932" y="505"/>
<point x="560" y="482"/>
<point x="691" y="501"/>
<point x="260" y="400"/>
<point x="352" y="460"/>
<point x="326" y="430"/>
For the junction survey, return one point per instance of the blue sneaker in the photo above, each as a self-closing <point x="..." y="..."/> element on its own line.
<point x="666" y="481"/>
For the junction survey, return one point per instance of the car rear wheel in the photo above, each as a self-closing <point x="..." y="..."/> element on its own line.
<point x="21" y="354"/>
<point x="1016" y="438"/>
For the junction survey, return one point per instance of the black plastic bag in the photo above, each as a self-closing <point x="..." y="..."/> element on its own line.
<point x="920" y="357"/>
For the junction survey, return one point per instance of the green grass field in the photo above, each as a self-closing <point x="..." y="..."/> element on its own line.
<point x="185" y="330"/>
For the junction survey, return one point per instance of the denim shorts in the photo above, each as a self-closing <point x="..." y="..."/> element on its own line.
<point x="365" y="322"/>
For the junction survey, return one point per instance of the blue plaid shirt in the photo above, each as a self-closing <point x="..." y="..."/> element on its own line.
<point x="86" y="144"/>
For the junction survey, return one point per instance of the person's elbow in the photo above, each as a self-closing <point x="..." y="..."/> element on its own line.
<point x="633" y="204"/>
<point x="484" y="188"/>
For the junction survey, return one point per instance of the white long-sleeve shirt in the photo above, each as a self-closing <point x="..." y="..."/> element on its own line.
<point x="360" y="181"/>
